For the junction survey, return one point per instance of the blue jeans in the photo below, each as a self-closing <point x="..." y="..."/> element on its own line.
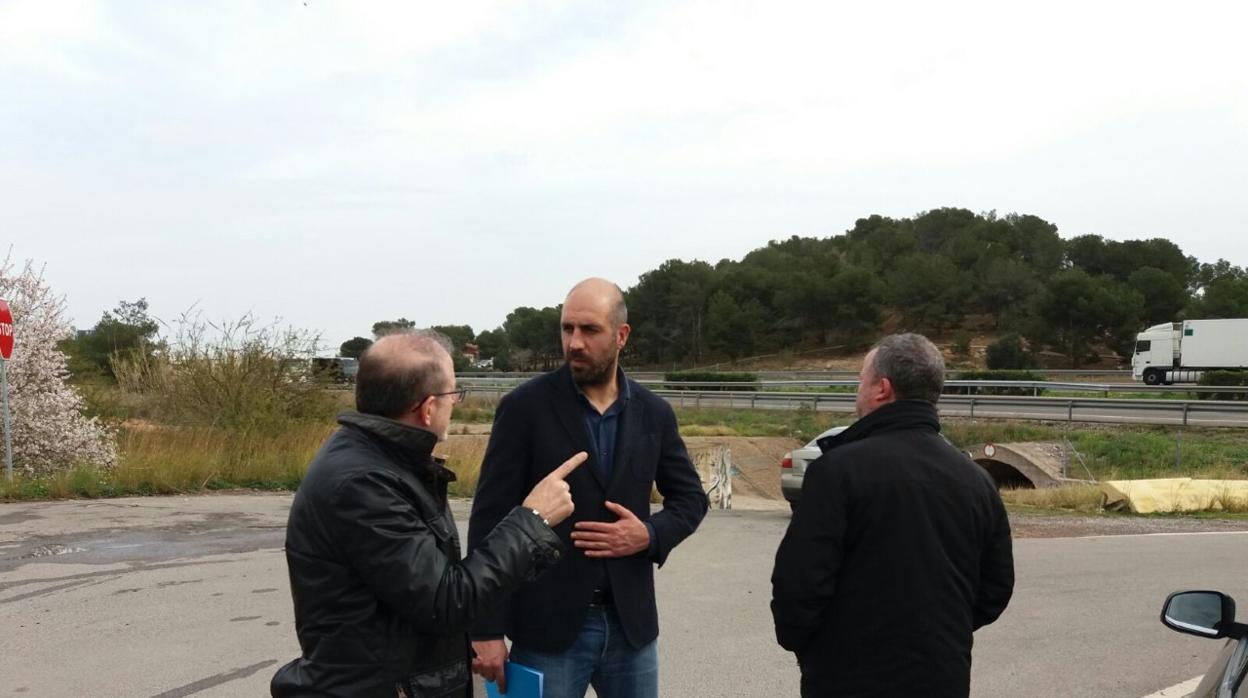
<point x="600" y="656"/>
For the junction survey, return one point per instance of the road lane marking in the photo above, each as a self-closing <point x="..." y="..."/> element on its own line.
<point x="1138" y="535"/>
<point x="1179" y="690"/>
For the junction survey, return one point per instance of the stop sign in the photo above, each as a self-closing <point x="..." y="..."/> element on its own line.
<point x="6" y="330"/>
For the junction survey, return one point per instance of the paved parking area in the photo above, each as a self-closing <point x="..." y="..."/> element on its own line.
<point x="181" y="596"/>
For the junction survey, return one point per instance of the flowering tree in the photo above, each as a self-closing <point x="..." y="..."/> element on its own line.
<point x="50" y="432"/>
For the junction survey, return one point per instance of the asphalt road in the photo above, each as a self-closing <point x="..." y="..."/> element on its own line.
<point x="188" y="596"/>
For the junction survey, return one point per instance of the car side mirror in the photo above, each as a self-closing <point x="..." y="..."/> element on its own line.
<point x="1202" y="613"/>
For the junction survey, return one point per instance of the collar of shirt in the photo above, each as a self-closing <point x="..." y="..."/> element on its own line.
<point x="620" y="400"/>
<point x="603" y="428"/>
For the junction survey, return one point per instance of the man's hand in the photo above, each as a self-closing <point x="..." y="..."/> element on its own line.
<point x="552" y="498"/>
<point x="491" y="656"/>
<point x="627" y="536"/>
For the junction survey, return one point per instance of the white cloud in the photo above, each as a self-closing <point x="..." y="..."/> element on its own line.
<point x="566" y="135"/>
<point x="59" y="39"/>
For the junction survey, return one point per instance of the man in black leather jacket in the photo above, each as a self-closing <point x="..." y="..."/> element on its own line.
<point x="382" y="597"/>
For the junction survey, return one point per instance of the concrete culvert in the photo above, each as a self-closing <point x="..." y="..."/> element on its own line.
<point x="1005" y="475"/>
<point x="1024" y="465"/>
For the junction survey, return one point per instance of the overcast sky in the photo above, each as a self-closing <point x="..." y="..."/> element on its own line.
<point x="334" y="164"/>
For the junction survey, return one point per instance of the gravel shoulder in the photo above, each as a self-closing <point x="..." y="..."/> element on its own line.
<point x="1033" y="523"/>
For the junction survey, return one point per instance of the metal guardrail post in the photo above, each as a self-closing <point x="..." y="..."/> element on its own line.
<point x="1185" y="406"/>
<point x="1070" y="411"/>
<point x="972" y="407"/>
<point x="752" y="398"/>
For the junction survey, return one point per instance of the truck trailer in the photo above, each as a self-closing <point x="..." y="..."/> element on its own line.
<point x="1180" y="352"/>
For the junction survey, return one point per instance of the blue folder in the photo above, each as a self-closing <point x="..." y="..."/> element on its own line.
<point x="522" y="682"/>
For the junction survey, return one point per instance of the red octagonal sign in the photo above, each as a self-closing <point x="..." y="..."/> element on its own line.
<point x="6" y="330"/>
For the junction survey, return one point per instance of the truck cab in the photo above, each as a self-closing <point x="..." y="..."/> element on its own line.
<point x="1155" y="351"/>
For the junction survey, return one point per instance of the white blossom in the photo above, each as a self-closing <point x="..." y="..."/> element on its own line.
<point x="50" y="431"/>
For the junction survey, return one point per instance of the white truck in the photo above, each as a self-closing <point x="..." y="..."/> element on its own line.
<point x="1180" y="352"/>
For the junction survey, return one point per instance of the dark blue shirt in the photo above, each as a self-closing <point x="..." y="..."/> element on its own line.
<point x="603" y="427"/>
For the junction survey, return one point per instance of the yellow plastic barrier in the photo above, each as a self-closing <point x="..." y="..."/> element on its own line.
<point x="1174" y="495"/>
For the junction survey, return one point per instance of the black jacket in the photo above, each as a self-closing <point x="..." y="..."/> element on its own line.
<point x="536" y="427"/>
<point x="381" y="596"/>
<point x="899" y="551"/>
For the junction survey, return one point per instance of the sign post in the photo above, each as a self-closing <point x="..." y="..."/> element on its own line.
<point x="6" y="351"/>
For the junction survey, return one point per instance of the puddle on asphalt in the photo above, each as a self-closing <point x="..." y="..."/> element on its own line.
<point x="16" y="517"/>
<point x="51" y="550"/>
<point x="143" y="546"/>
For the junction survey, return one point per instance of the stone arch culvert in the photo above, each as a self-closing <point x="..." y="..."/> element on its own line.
<point x="1024" y="465"/>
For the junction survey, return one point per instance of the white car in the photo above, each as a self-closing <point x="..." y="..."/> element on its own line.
<point x="793" y="467"/>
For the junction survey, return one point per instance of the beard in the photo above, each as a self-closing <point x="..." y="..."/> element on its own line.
<point x="591" y="373"/>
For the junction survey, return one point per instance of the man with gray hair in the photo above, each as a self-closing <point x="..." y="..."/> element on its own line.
<point x="382" y="598"/>
<point x="901" y="548"/>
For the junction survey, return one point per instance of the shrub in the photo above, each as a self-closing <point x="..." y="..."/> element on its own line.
<point x="962" y="343"/>
<point x="995" y="376"/>
<point x="234" y="375"/>
<point x="1008" y="352"/>
<point x="1224" y="378"/>
<point x="1082" y="498"/>
<point x="710" y="377"/>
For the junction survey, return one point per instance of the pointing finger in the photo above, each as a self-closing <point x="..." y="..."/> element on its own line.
<point x="568" y="466"/>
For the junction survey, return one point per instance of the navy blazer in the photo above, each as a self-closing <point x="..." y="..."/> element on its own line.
<point x="537" y="427"/>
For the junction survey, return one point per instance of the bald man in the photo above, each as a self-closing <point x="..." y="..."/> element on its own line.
<point x="592" y="619"/>
<point x="382" y="599"/>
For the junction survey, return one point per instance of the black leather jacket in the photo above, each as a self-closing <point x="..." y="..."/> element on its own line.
<point x="382" y="598"/>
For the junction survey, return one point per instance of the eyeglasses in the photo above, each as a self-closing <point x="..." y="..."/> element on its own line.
<point x="459" y="395"/>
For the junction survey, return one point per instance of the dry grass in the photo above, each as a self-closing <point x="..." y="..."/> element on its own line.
<point x="156" y="458"/>
<point x="169" y="460"/>
<point x="1080" y="498"/>
<point x="1089" y="499"/>
<point x="463" y="455"/>
<point x="195" y="458"/>
<point x="708" y="430"/>
<point x="1229" y="502"/>
<point x="802" y="424"/>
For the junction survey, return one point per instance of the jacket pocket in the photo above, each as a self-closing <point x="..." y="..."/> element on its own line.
<point x="438" y="526"/>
